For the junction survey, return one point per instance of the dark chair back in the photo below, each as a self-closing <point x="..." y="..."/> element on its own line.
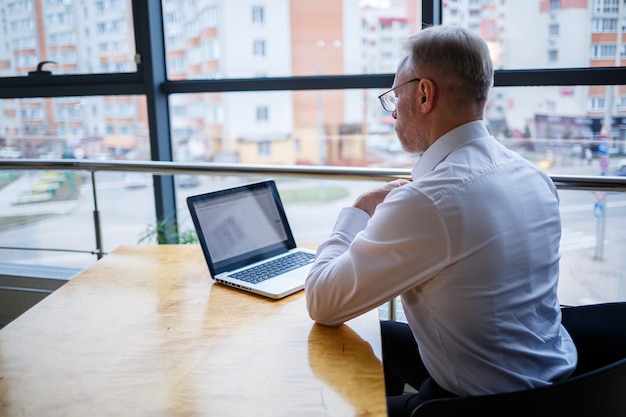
<point x="597" y="388"/>
<point x="599" y="332"/>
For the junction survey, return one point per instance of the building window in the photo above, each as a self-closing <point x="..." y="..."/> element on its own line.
<point x="262" y="114"/>
<point x="258" y="14"/>
<point x="553" y="55"/>
<point x="264" y="148"/>
<point x="603" y="51"/>
<point x="606" y="6"/>
<point x="554" y="30"/>
<point x="209" y="17"/>
<point x="604" y="25"/>
<point x="297" y="146"/>
<point x="555" y="4"/>
<point x="597" y="103"/>
<point x="258" y="47"/>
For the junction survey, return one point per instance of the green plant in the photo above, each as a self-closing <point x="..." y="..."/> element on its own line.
<point x="163" y="233"/>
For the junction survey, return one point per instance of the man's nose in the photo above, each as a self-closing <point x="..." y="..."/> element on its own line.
<point x="394" y="114"/>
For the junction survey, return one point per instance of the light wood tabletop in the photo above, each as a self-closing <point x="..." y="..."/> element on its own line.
<point x="146" y="332"/>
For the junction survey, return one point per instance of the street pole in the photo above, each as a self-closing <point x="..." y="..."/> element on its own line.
<point x="320" y="122"/>
<point x="320" y="112"/>
<point x="599" y="211"/>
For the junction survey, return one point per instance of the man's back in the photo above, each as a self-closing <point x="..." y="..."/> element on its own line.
<point x="488" y="318"/>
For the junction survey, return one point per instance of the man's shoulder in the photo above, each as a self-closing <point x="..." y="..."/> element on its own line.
<point x="477" y="164"/>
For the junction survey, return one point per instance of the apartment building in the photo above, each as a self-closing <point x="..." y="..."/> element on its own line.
<point x="206" y="39"/>
<point x="553" y="34"/>
<point x="75" y="38"/>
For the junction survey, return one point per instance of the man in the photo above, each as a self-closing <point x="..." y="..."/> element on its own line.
<point x="471" y="244"/>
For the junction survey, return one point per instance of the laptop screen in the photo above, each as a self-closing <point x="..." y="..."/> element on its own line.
<point x="241" y="225"/>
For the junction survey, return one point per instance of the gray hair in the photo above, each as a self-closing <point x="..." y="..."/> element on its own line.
<point x="457" y="53"/>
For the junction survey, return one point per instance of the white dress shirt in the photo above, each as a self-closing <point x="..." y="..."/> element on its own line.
<point x="472" y="247"/>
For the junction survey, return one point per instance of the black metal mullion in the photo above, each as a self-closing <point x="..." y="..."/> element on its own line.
<point x="431" y="13"/>
<point x="561" y="76"/>
<point x="280" y="83"/>
<point x="71" y="85"/>
<point x="148" y="19"/>
<point x="503" y="78"/>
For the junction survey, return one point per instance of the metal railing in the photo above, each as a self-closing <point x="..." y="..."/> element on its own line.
<point x="568" y="182"/>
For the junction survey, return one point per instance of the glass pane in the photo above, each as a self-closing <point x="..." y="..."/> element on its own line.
<point x="566" y="34"/>
<point x="54" y="210"/>
<point x="339" y="127"/>
<point x="98" y="127"/>
<point x="79" y="37"/>
<point x="285" y="39"/>
<point x="249" y="39"/>
<point x="577" y="130"/>
<point x="593" y="247"/>
<point x="562" y="129"/>
<point x="327" y="197"/>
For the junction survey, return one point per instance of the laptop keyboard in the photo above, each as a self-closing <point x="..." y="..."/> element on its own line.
<point x="274" y="268"/>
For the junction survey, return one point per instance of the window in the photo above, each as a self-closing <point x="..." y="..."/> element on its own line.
<point x="258" y="14"/>
<point x="258" y="47"/>
<point x="262" y="114"/>
<point x="553" y="55"/>
<point x="264" y="148"/>
<point x="553" y="30"/>
<point x="20" y="6"/>
<point x="21" y="25"/>
<point x="297" y="146"/>
<point x="605" y="25"/>
<point x="210" y="49"/>
<point x="61" y="27"/>
<point x="596" y="104"/>
<point x="603" y="51"/>
<point x="605" y="6"/>
<point x="211" y="120"/>
<point x="209" y="16"/>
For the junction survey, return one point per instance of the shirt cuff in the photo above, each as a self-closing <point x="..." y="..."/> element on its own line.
<point x="351" y="221"/>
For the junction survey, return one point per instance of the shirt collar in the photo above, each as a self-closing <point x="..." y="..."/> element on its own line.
<point x="438" y="151"/>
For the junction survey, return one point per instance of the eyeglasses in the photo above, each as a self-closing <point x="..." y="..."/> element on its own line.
<point x="389" y="99"/>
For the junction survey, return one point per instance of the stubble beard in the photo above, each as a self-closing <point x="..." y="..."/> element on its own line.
<point x="411" y="140"/>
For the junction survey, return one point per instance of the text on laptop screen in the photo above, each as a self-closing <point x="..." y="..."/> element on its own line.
<point x="240" y="223"/>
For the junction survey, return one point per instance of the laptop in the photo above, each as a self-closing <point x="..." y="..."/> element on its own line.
<point x="246" y="240"/>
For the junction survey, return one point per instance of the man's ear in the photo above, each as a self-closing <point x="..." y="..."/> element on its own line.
<point x="427" y="93"/>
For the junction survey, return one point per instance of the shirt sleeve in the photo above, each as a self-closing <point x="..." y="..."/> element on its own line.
<point x="368" y="261"/>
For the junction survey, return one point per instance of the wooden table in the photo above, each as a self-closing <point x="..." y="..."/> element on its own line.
<point x="145" y="332"/>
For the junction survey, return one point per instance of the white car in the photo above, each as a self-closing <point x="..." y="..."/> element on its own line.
<point x="136" y="179"/>
<point x="9" y="152"/>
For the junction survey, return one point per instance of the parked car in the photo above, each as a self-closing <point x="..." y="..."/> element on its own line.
<point x="136" y="180"/>
<point x="9" y="152"/>
<point x="187" y="181"/>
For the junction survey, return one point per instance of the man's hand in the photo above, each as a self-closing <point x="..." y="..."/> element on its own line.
<point x="369" y="200"/>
